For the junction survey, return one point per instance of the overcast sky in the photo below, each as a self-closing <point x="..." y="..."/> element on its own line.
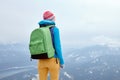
<point x="80" y="21"/>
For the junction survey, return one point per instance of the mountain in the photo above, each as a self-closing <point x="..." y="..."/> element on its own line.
<point x="12" y="55"/>
<point x="98" y="62"/>
<point x="94" y="62"/>
<point x="15" y="62"/>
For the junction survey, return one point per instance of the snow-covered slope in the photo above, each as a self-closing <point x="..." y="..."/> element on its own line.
<point x="94" y="62"/>
<point x="98" y="62"/>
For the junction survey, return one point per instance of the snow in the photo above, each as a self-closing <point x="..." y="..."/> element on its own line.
<point x="36" y="77"/>
<point x="117" y="71"/>
<point x="90" y="72"/>
<point x="67" y="75"/>
<point x="95" y="61"/>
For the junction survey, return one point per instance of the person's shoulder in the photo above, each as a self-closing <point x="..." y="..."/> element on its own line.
<point x="56" y="28"/>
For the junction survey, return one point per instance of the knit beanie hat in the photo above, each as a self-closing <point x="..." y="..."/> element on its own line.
<point x="48" y="15"/>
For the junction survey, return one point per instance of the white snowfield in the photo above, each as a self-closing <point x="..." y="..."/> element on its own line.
<point x="14" y="70"/>
<point x="36" y="78"/>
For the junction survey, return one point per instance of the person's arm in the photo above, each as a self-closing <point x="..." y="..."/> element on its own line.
<point x="57" y="45"/>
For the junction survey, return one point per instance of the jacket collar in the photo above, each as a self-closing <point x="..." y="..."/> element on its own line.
<point x="46" y="23"/>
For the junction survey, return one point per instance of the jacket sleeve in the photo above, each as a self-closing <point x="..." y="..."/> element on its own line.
<point x="57" y="45"/>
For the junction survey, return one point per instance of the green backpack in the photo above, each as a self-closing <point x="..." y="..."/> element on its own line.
<point x="40" y="45"/>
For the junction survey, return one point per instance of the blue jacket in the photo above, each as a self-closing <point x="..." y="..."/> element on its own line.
<point x="56" y="39"/>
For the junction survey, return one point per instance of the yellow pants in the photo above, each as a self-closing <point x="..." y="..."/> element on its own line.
<point x="48" y="65"/>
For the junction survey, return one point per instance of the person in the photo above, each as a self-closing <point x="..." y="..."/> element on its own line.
<point x="54" y="64"/>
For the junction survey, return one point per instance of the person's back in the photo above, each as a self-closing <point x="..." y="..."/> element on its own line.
<point x="51" y="65"/>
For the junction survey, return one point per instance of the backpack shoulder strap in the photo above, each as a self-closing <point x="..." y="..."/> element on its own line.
<point x="52" y="35"/>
